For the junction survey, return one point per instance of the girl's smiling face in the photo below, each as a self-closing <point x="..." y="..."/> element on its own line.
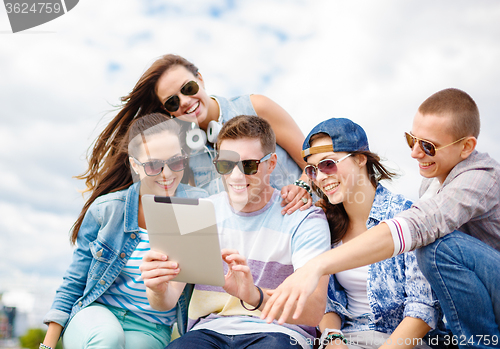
<point x="160" y="146"/>
<point x="191" y="108"/>
<point x="342" y="185"/>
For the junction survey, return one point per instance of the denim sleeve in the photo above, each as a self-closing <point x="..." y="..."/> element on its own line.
<point x="420" y="301"/>
<point x="336" y="299"/>
<point x="75" y="278"/>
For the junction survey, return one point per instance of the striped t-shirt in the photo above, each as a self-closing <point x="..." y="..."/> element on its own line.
<point x="129" y="292"/>
<point x="274" y="245"/>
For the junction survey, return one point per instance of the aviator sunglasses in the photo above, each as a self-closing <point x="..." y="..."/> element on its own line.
<point x="172" y="103"/>
<point x="326" y="166"/>
<point x="155" y="167"/>
<point x="427" y="147"/>
<point x="247" y="167"/>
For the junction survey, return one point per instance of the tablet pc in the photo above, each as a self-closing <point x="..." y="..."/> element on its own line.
<point x="186" y="231"/>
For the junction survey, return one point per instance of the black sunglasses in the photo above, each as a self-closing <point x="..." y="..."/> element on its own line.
<point x="155" y="167"/>
<point x="427" y="146"/>
<point x="247" y="167"/>
<point x="172" y="103"/>
<point x="327" y="166"/>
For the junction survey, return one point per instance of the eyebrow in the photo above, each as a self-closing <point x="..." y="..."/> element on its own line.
<point x="323" y="158"/>
<point x="428" y="140"/>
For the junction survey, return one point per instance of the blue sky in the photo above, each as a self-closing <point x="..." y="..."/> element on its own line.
<point x="371" y="61"/>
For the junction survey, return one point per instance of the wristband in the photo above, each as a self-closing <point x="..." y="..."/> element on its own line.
<point x="334" y="336"/>
<point x="302" y="184"/>
<point x="258" y="305"/>
<point x="328" y="334"/>
<point x="43" y="346"/>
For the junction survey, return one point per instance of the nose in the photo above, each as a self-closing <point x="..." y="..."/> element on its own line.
<point x="183" y="100"/>
<point x="166" y="171"/>
<point x="416" y="151"/>
<point x="320" y="176"/>
<point x="236" y="173"/>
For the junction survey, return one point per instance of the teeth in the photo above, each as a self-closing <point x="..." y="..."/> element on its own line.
<point x="167" y="183"/>
<point x="331" y="186"/>
<point x="239" y="187"/>
<point x="425" y="164"/>
<point x="193" y="108"/>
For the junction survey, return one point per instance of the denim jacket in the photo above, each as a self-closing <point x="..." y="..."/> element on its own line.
<point x="200" y="161"/>
<point x="106" y="239"/>
<point x="396" y="287"/>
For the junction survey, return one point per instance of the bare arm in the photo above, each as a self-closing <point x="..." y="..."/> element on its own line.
<point x="408" y="334"/>
<point x="288" y="134"/>
<point x="157" y="272"/>
<point x="53" y="334"/>
<point x="372" y="246"/>
<point x="332" y="321"/>
<point x="289" y="137"/>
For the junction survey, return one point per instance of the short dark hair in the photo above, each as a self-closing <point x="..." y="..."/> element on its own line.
<point x="460" y="106"/>
<point x="247" y="126"/>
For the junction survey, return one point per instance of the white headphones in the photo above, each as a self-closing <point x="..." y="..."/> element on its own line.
<point x="213" y="130"/>
<point x="195" y="137"/>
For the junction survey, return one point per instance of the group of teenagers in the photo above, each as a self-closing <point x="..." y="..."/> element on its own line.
<point x="317" y="252"/>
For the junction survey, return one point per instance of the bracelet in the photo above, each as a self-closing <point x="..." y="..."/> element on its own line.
<point x="260" y="300"/>
<point x="43" y="346"/>
<point x="302" y="184"/>
<point x="331" y="336"/>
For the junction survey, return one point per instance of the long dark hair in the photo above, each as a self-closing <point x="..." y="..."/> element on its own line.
<point x="337" y="217"/>
<point x="115" y="173"/>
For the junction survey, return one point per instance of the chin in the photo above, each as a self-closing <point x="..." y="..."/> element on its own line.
<point x="427" y="174"/>
<point x="239" y="200"/>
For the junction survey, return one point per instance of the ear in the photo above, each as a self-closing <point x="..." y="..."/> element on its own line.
<point x="133" y="165"/>
<point x="200" y="79"/>
<point x="361" y="159"/>
<point x="468" y="147"/>
<point x="273" y="161"/>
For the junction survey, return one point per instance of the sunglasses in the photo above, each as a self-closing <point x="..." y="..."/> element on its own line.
<point x="172" y="103"/>
<point x="326" y="166"/>
<point x="155" y="167"/>
<point x="247" y="167"/>
<point x="427" y="147"/>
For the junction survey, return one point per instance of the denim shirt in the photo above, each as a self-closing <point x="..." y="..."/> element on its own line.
<point x="106" y="239"/>
<point x="396" y="287"/>
<point x="200" y="162"/>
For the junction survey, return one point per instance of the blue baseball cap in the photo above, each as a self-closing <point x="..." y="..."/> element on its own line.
<point x="347" y="136"/>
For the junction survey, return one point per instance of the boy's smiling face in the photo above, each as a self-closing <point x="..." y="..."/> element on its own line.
<point x="436" y="129"/>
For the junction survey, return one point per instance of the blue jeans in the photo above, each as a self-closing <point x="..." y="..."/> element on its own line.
<point x="215" y="340"/>
<point x="100" y="326"/>
<point x="464" y="272"/>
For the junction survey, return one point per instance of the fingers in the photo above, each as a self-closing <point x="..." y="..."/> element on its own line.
<point x="239" y="267"/>
<point x="227" y="251"/>
<point x="233" y="257"/>
<point x="157" y="278"/>
<point x="156" y="269"/>
<point x="272" y="307"/>
<point x="297" y="198"/>
<point x="154" y="256"/>
<point x="158" y="264"/>
<point x="269" y="292"/>
<point x="284" y="194"/>
<point x="301" y="303"/>
<point x="309" y="202"/>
